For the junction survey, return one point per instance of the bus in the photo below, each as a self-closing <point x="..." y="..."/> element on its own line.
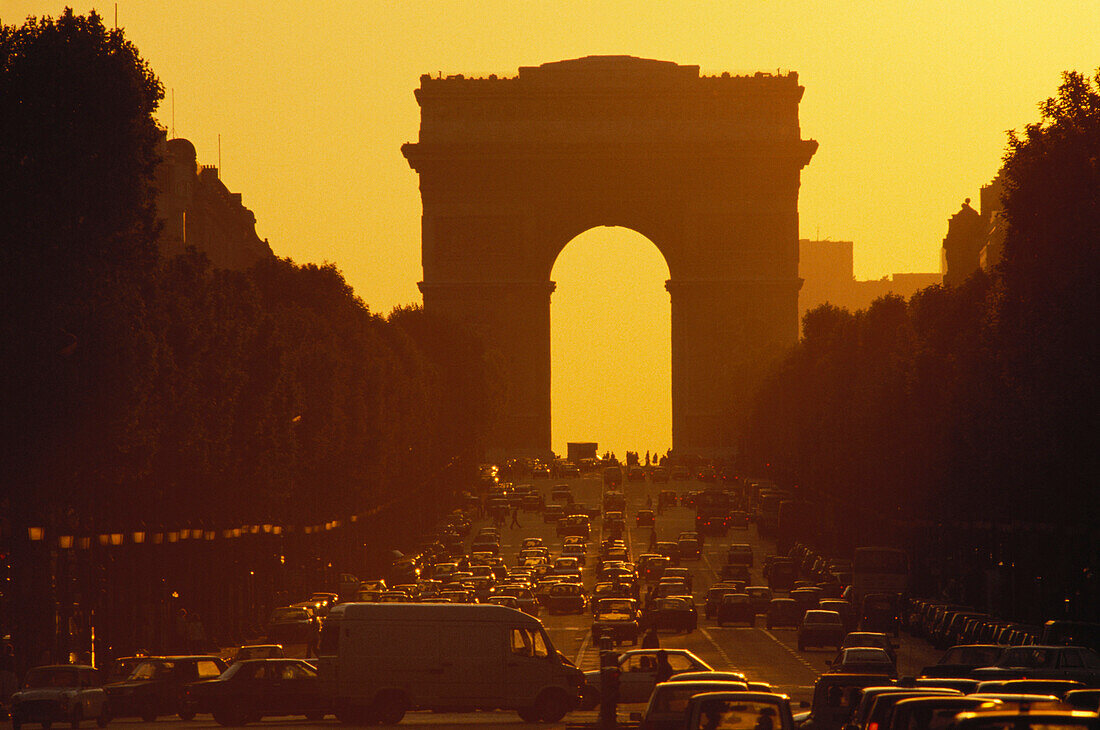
<point x="879" y="570"/>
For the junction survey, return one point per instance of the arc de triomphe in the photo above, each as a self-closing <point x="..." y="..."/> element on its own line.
<point x="707" y="167"/>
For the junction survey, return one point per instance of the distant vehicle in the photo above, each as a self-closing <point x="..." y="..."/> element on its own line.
<point x="681" y="474"/>
<point x="712" y="512"/>
<point x="760" y="597"/>
<point x="635" y="474"/>
<point x="659" y="475"/>
<point x="1044" y="662"/>
<point x="612" y="476"/>
<point x="870" y="638"/>
<point x="781" y="574"/>
<point x="566" y="598"/>
<point x="561" y="494"/>
<point x="259" y="651"/>
<point x="645" y="518"/>
<point x="714" y="597"/>
<point x="863" y="660"/>
<point x="575" y="525"/>
<point x="675" y="613"/>
<point x="820" y="628"/>
<point x="881" y="612"/>
<point x="552" y="513"/>
<point x="735" y="608"/>
<point x="959" y="661"/>
<point x="666" y="498"/>
<point x="616" y="618"/>
<point x="60" y="693"/>
<point x="783" y="612"/>
<point x="879" y="570"/>
<point x="740" y="554"/>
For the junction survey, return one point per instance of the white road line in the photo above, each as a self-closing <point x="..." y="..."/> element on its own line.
<point x="792" y="652"/>
<point x="584" y="647"/>
<point x="721" y="652"/>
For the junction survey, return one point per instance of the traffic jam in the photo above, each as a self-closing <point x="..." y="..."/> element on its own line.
<point x="649" y="597"/>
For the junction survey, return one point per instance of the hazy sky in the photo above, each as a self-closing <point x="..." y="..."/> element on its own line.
<point x="908" y="100"/>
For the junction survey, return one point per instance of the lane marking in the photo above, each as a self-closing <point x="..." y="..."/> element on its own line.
<point x="791" y="651"/>
<point x="721" y="652"/>
<point x="584" y="648"/>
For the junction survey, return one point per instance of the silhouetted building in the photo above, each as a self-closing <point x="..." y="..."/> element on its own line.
<point x="828" y="276"/>
<point x="198" y="210"/>
<point x="992" y="211"/>
<point x="706" y="167"/>
<point x="975" y="239"/>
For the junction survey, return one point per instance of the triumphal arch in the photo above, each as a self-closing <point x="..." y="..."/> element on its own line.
<point x="706" y="167"/>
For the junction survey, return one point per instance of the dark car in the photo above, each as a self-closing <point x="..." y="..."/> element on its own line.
<point x="566" y="598"/>
<point x="665" y="710"/>
<point x="740" y="554"/>
<point x="290" y="625"/>
<point x="645" y="518"/>
<point x="881" y="612"/>
<point x="666" y="498"/>
<point x="821" y="628"/>
<point x="60" y="693"/>
<point x="836" y="697"/>
<point x="250" y="690"/>
<point x="863" y="660"/>
<point x="783" y="612"/>
<point x="670" y="550"/>
<point x="674" y="613"/>
<point x="552" y="513"/>
<point x="659" y="475"/>
<point x="781" y="574"/>
<point x="1044" y="662"/>
<point x="157" y="687"/>
<point x="612" y="476"/>
<point x="616" y="618"/>
<point x="731" y="571"/>
<point x="691" y="545"/>
<point x="714" y="597"/>
<point x="635" y="474"/>
<point x="959" y="661"/>
<point x="736" y="608"/>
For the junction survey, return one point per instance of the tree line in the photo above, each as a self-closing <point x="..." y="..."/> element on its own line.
<point x="973" y="406"/>
<point x="144" y="391"/>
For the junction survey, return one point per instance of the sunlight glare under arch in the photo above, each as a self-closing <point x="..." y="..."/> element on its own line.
<point x="610" y="344"/>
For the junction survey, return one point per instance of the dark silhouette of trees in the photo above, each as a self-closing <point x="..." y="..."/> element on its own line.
<point x="971" y="408"/>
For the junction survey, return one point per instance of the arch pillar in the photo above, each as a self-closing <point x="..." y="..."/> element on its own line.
<point x="725" y="333"/>
<point x="513" y="317"/>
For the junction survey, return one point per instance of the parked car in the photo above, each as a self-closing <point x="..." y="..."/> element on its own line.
<point x="820" y="628"/>
<point x="156" y="686"/>
<point x="736" y="608"/>
<point x="1044" y="662"/>
<point x="60" y="693"/>
<point x="251" y="690"/>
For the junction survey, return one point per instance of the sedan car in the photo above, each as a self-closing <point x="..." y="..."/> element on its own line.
<point x="638" y="674"/>
<point x="821" y="628"/>
<point x="566" y="598"/>
<point x="863" y="660"/>
<point x="1044" y="662"/>
<point x="714" y="597"/>
<point x="675" y="613"/>
<point x="616" y="618"/>
<point x="665" y="710"/>
<point x="758" y="710"/>
<point x="736" y="608"/>
<point x="60" y="693"/>
<point x="156" y="687"/>
<point x="645" y="518"/>
<point x="251" y="690"/>
<point x="783" y="612"/>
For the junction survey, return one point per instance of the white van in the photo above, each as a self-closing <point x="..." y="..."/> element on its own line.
<point x="379" y="660"/>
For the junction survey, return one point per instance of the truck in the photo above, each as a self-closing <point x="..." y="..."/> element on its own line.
<point x="712" y="512"/>
<point x="379" y="660"/>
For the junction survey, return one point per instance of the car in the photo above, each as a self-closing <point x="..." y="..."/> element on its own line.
<point x="1044" y="662"/>
<point x="60" y="693"/>
<point x="683" y="574"/>
<point x="732" y="571"/>
<point x="863" y="660"/>
<point x="157" y="686"/>
<point x="259" y="651"/>
<point x="691" y="545"/>
<point x="251" y="690"/>
<point x="1022" y="718"/>
<point x="757" y="710"/>
<point x="844" y="608"/>
<point x="653" y="567"/>
<point x="714" y="597"/>
<point x="561" y="494"/>
<point x="638" y="674"/>
<point x="665" y="710"/>
<point x="553" y="513"/>
<point x="882" y="612"/>
<point x="575" y="550"/>
<point x="740" y="554"/>
<point x="673" y="613"/>
<point x="681" y="473"/>
<point x="635" y="474"/>
<point x="291" y="625"/>
<point x="820" y="628"/>
<point x="877" y="703"/>
<point x="739" y="520"/>
<point x="736" y="608"/>
<point x="616" y="618"/>
<point x="660" y="475"/>
<point x="645" y="518"/>
<point x="524" y="597"/>
<point x="807" y="598"/>
<point x="783" y="612"/>
<point x="759" y="597"/>
<point x="531" y="502"/>
<point x="566" y="598"/>
<point x="670" y="550"/>
<point x="870" y="638"/>
<point x="575" y="525"/>
<point x="781" y="574"/>
<point x="612" y="476"/>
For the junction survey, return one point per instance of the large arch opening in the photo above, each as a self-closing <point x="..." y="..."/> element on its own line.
<point x="610" y="344"/>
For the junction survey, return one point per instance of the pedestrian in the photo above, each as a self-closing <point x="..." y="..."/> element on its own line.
<point x="664" y="669"/>
<point x="650" y="639"/>
<point x="314" y="636"/>
<point x="515" y="518"/>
